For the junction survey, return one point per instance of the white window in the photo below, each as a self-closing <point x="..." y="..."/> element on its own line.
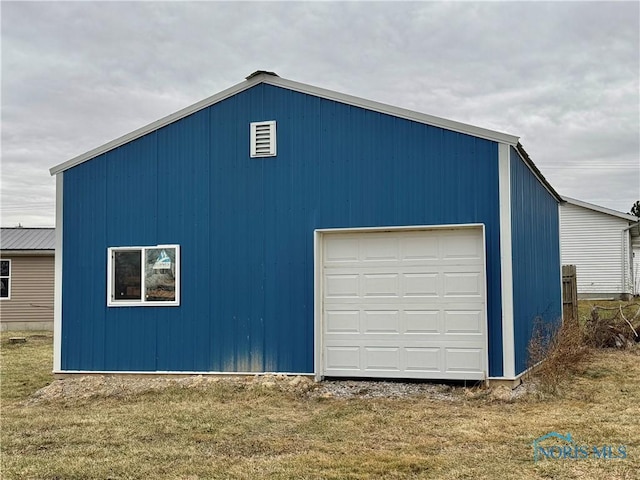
<point x="143" y="276"/>
<point x="263" y="139"/>
<point x="5" y="279"/>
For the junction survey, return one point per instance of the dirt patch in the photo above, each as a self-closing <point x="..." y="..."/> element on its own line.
<point x="122" y="386"/>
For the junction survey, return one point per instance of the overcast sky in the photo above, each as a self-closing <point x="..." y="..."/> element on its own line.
<point x="564" y="77"/>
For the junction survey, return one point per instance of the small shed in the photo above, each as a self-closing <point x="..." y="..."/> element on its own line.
<point x="282" y="227"/>
<point x="602" y="244"/>
<point x="26" y="278"/>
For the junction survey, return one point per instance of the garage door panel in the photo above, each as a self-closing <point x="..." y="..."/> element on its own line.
<point x="421" y="284"/>
<point x="380" y="285"/>
<point x="381" y="358"/>
<point x="341" y="250"/>
<point x="404" y="362"/>
<point x="422" y="321"/>
<point x="342" y="285"/>
<point x="405" y="304"/>
<point x="385" y="319"/>
<point x="461" y="245"/>
<point x="379" y="248"/>
<point x="342" y="321"/>
<point x="460" y="359"/>
<point x="381" y="321"/>
<point x="423" y="359"/>
<point x="459" y="284"/>
<point x="418" y="248"/>
<point x="463" y="321"/>
<point x="342" y="358"/>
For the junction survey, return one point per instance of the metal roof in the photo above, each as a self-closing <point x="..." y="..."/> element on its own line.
<point x="27" y="238"/>
<point x="272" y="78"/>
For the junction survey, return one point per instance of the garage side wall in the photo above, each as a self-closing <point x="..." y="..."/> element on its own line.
<point x="535" y="234"/>
<point x="245" y="227"/>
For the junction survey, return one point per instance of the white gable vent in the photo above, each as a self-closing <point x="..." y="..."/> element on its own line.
<point x="263" y="139"/>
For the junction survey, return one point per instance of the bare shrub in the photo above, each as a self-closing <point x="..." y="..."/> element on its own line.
<point x="556" y="351"/>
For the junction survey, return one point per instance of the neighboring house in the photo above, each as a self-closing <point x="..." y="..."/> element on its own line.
<point x="602" y="244"/>
<point x="281" y="227"/>
<point x="635" y="252"/>
<point x="26" y="278"/>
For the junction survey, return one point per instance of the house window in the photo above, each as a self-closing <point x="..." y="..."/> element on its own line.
<point x="263" y="139"/>
<point x="5" y="279"/>
<point x="143" y="276"/>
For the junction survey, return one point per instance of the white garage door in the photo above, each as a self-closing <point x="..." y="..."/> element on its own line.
<point x="404" y="304"/>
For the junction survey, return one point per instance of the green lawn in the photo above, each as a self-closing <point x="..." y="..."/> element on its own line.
<point x="227" y="430"/>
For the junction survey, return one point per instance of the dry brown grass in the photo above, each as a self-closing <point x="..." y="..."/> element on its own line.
<point x="225" y="431"/>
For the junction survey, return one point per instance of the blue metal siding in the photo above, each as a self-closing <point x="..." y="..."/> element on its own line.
<point x="536" y="256"/>
<point x="245" y="226"/>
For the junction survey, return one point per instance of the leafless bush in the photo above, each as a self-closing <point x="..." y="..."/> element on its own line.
<point x="556" y="351"/>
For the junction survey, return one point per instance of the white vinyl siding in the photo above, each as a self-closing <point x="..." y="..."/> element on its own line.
<point x="593" y="242"/>
<point x="31" y="302"/>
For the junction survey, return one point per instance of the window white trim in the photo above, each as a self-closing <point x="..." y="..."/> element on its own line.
<point x="263" y="139"/>
<point x="142" y="302"/>
<point x="8" y="277"/>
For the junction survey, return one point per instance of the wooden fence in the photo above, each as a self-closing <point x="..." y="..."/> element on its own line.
<point x="569" y="293"/>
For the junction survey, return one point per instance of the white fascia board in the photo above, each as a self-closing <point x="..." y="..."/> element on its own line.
<point x="506" y="262"/>
<point x="218" y="97"/>
<point x="393" y="111"/>
<point x="298" y="87"/>
<point x="598" y="208"/>
<point x="57" y="289"/>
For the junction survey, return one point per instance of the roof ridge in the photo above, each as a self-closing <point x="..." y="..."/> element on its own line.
<point x="270" y="78"/>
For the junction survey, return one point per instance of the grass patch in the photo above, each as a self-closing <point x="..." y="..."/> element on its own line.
<point x="16" y="359"/>
<point x="227" y="431"/>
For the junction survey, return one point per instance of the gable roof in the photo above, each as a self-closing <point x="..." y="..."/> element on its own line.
<point x="27" y="238"/>
<point x="596" y="208"/>
<point x="270" y="78"/>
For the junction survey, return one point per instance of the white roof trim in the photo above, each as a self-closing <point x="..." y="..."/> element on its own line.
<point x="394" y="111"/>
<point x="298" y="87"/>
<point x="597" y="208"/>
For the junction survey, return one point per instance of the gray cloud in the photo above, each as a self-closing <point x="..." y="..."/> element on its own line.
<point x="563" y="76"/>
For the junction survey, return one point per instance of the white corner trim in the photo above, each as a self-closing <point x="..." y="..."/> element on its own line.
<point x="57" y="296"/>
<point x="560" y="257"/>
<point x="506" y="262"/>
